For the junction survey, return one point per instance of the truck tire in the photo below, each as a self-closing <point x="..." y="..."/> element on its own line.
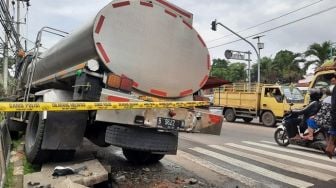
<point x="229" y="115"/>
<point x="247" y="119"/>
<point x="14" y="127"/>
<point x="34" y="138"/>
<point x="62" y="155"/>
<point x="268" y="119"/>
<point x="154" y="158"/>
<point x="141" y="157"/>
<point x="136" y="156"/>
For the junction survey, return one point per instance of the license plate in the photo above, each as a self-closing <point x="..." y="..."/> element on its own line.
<point x="169" y="123"/>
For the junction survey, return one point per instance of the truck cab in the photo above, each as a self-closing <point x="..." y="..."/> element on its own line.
<point x="321" y="78"/>
<point x="277" y="99"/>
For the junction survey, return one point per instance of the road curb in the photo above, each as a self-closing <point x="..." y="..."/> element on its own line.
<point x="16" y="159"/>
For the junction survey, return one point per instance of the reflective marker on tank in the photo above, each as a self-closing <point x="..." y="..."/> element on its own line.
<point x="103" y="52"/>
<point x="135" y="84"/>
<point x="204" y="80"/>
<point x="121" y="4"/>
<point x="170" y="13"/>
<point x="187" y="24"/>
<point x="209" y="63"/>
<point x="158" y="92"/>
<point x="202" y="41"/>
<point x="117" y="99"/>
<point x="146" y="4"/>
<point x="100" y="24"/>
<point x="174" y="8"/>
<point x="187" y="92"/>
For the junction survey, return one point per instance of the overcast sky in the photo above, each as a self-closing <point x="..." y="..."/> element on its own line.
<point x="70" y="14"/>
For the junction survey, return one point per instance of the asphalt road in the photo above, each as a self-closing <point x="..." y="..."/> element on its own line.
<point x="244" y="155"/>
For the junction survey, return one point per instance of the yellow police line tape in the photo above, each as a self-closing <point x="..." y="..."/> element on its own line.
<point x="82" y="106"/>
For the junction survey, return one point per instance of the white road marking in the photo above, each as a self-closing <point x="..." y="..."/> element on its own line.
<point x="307" y="172"/>
<point x="255" y="169"/>
<point x="243" y="179"/>
<point x="296" y="147"/>
<point x="301" y="153"/>
<point x="286" y="157"/>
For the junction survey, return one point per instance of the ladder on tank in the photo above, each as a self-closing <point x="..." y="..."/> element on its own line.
<point x="36" y="54"/>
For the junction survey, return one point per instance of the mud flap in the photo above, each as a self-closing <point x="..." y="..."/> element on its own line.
<point x="203" y="121"/>
<point x="64" y="130"/>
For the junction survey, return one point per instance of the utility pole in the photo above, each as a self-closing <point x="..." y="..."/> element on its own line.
<point x="249" y="69"/>
<point x="18" y="17"/>
<point x="5" y="65"/>
<point x="260" y="46"/>
<point x="214" y="28"/>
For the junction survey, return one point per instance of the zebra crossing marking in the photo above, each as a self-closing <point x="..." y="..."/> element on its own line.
<point x="220" y="170"/>
<point x="299" y="170"/>
<point x="254" y="168"/>
<point x="285" y="157"/>
<point x="324" y="157"/>
<point x="295" y="147"/>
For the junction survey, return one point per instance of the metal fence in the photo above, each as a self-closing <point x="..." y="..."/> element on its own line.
<point x="4" y="151"/>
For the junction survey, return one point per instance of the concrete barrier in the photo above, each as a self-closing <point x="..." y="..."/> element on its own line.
<point x="5" y="144"/>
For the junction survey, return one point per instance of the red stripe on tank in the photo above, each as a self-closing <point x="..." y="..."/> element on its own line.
<point x="202" y="41"/>
<point x="103" y="52"/>
<point x="208" y="62"/>
<point x="170" y="13"/>
<point x="187" y="24"/>
<point x="146" y="4"/>
<point x="135" y="84"/>
<point x="186" y="92"/>
<point x="117" y="99"/>
<point x="158" y="92"/>
<point x="121" y="4"/>
<point x="204" y="80"/>
<point x="174" y="8"/>
<point x="100" y="24"/>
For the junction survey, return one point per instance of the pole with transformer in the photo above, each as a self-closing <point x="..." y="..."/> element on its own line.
<point x="260" y="46"/>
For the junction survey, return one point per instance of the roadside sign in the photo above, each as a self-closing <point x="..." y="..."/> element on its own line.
<point x="237" y="55"/>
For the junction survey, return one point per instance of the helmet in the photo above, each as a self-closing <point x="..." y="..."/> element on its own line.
<point x="315" y="94"/>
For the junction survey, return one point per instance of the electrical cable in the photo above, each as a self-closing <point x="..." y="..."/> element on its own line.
<point x="270" y="20"/>
<point x="277" y="27"/>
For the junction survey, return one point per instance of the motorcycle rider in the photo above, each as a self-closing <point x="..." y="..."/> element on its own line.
<point x="330" y="149"/>
<point x="308" y="112"/>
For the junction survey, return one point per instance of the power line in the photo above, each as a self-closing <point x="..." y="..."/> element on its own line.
<point x="283" y="15"/>
<point x="280" y="26"/>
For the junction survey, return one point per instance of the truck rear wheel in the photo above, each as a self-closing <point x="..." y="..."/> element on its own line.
<point x="34" y="138"/>
<point x="268" y="119"/>
<point x="230" y="115"/>
<point x="141" y="157"/>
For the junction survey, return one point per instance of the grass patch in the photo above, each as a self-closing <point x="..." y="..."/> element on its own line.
<point x="29" y="168"/>
<point x="15" y="144"/>
<point x="9" y="176"/>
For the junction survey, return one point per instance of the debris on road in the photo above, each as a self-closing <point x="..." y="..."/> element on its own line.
<point x="93" y="174"/>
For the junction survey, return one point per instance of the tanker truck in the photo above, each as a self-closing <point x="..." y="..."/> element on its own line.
<point x="132" y="51"/>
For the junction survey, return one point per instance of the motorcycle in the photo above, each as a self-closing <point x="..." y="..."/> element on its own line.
<point x="293" y="124"/>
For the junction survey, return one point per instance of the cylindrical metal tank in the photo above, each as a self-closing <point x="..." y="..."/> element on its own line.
<point x="147" y="42"/>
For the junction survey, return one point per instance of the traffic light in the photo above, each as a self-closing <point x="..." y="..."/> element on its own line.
<point x="214" y="25"/>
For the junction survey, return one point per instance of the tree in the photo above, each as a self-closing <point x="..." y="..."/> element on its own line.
<point x="218" y="68"/>
<point x="236" y="72"/>
<point x="223" y="69"/>
<point x="320" y="51"/>
<point x="287" y="65"/>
